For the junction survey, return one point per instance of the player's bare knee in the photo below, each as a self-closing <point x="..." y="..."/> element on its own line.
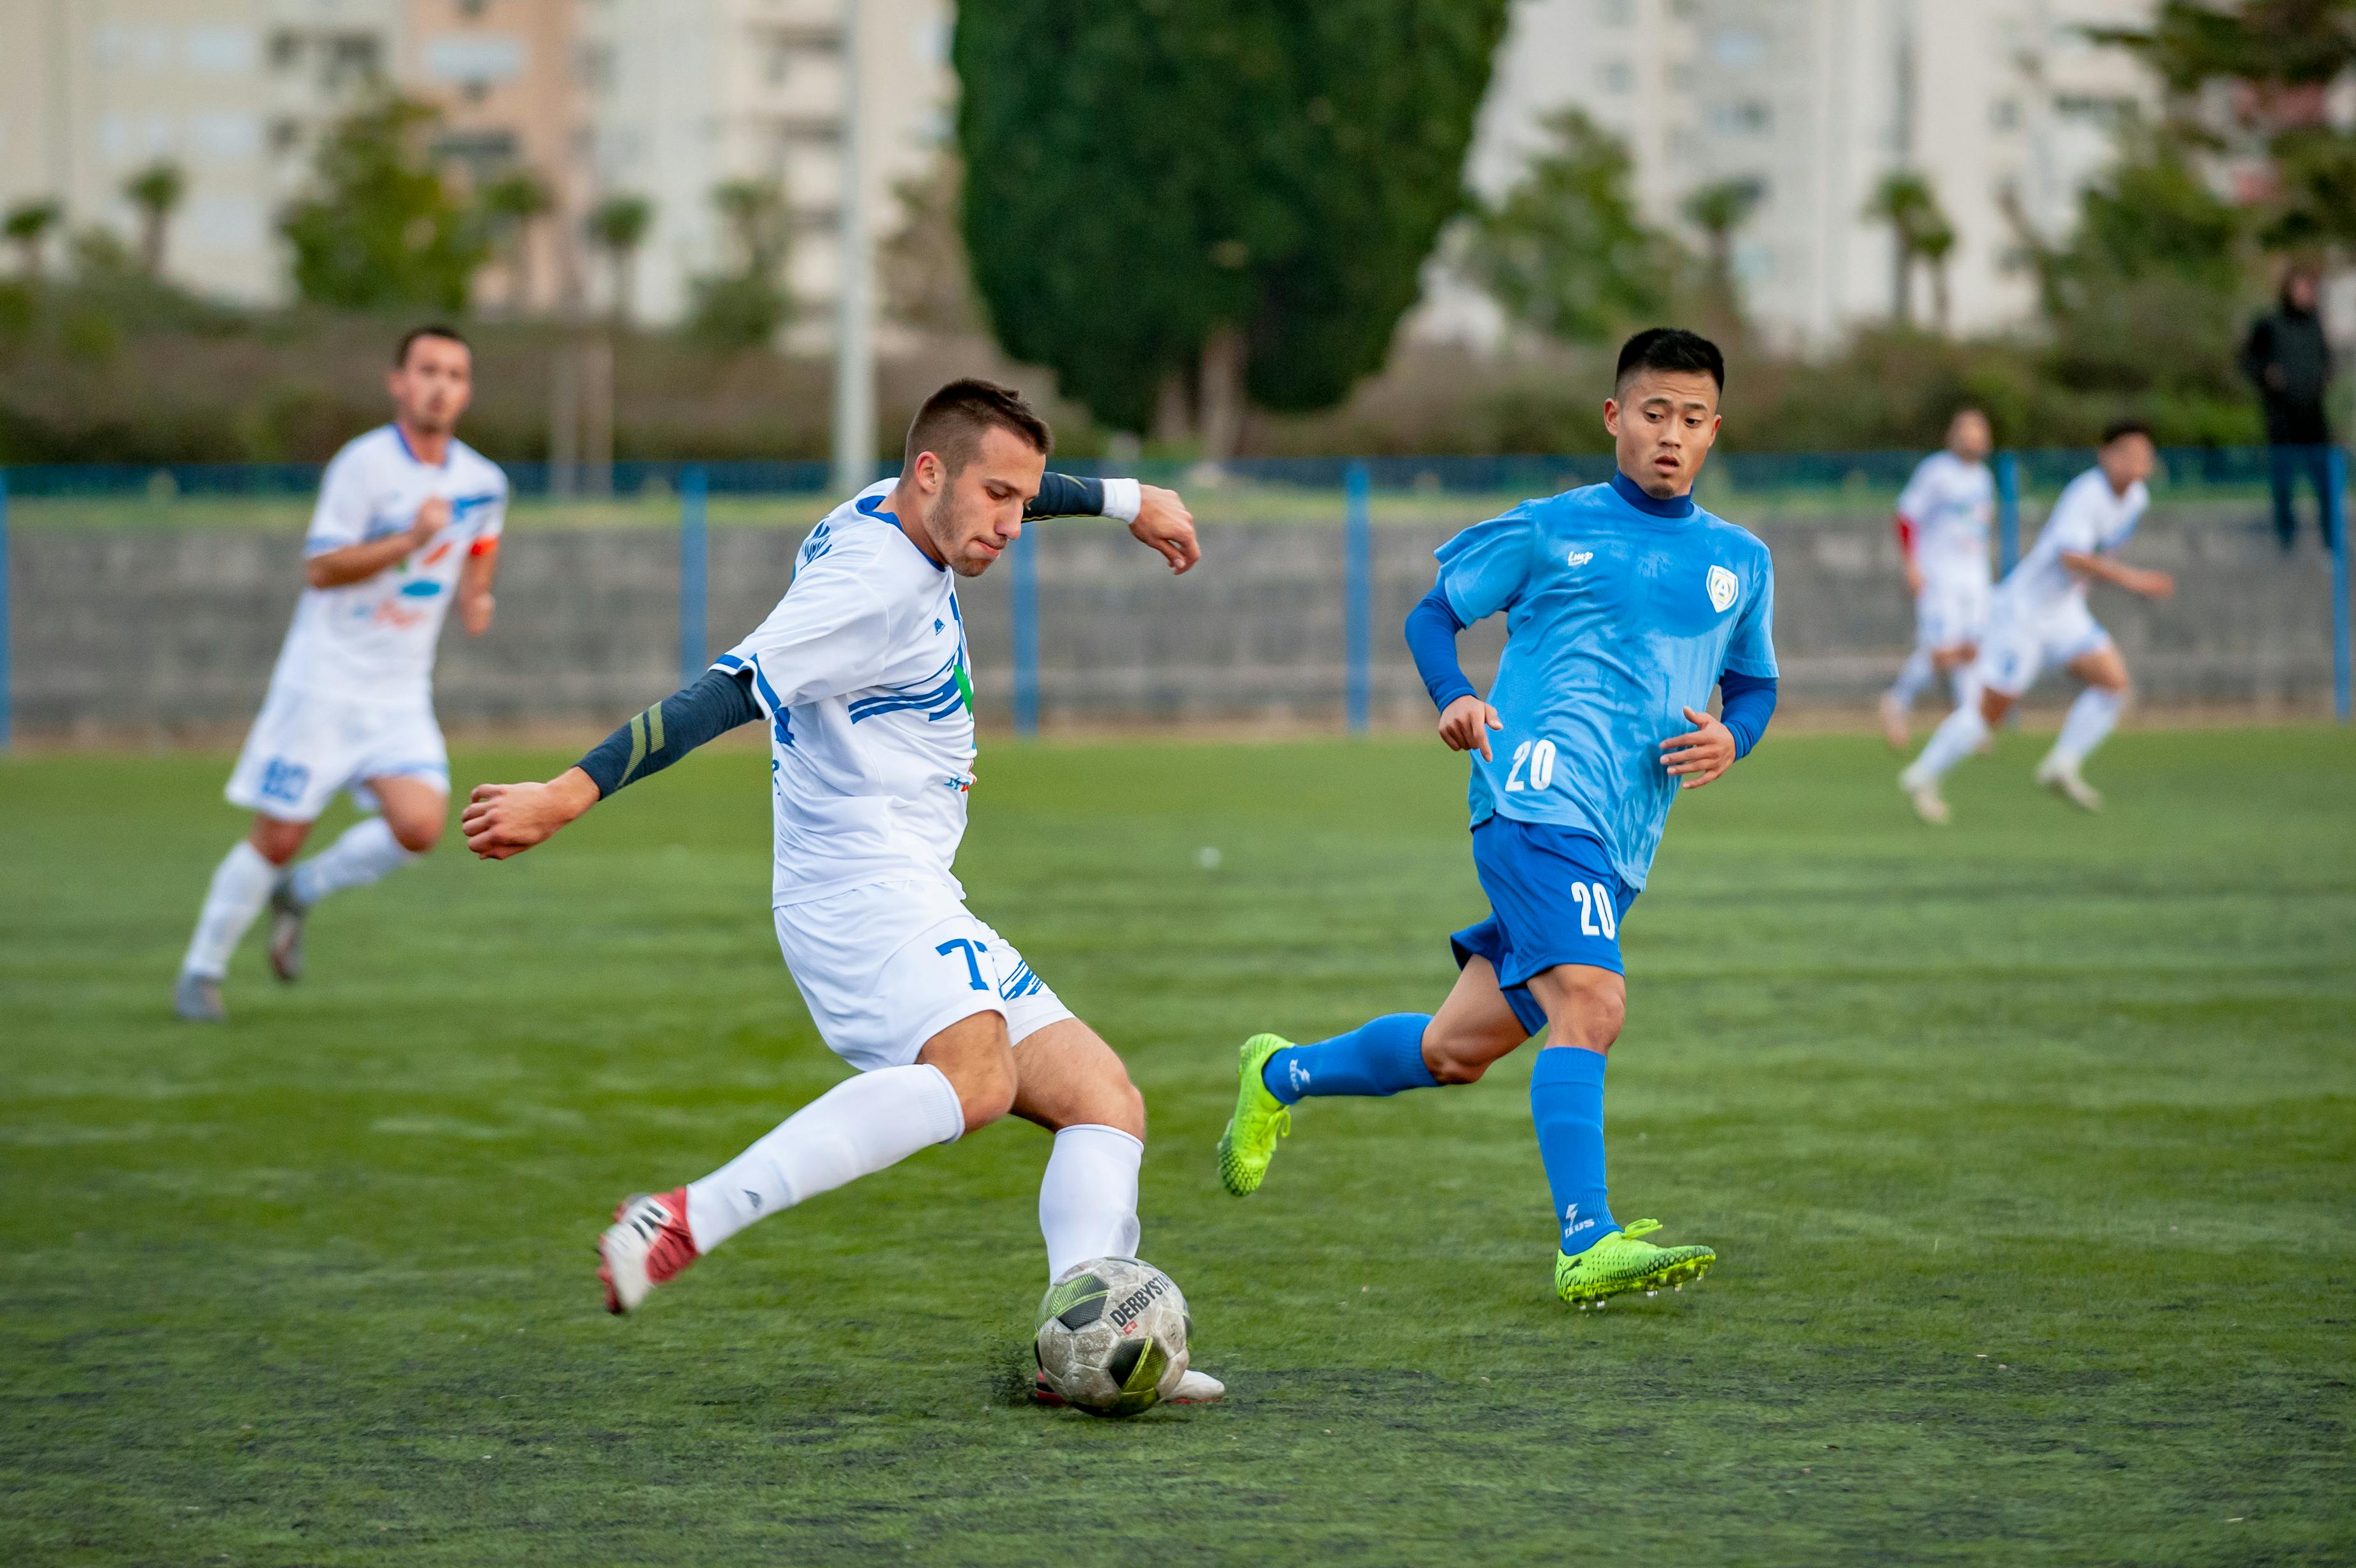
<point x="1596" y="1007"/>
<point x="415" y="835"/>
<point x="277" y="842"/>
<point x="1124" y="1107"/>
<point x="985" y="1089"/>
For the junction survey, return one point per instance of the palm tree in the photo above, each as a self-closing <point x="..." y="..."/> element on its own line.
<point x="618" y="226"/>
<point x="1936" y="243"/>
<point x="1718" y="210"/>
<point x="157" y="191"/>
<point x="1905" y="201"/>
<point x="512" y="203"/>
<point x="26" y="226"/>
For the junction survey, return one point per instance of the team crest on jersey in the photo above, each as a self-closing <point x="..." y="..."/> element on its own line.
<point x="1722" y="588"/>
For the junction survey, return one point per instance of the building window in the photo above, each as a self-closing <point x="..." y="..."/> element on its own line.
<point x="1738" y="51"/>
<point x="1751" y="119"/>
<point x="1618" y="13"/>
<point x="2004" y="114"/>
<point x="1618" y="77"/>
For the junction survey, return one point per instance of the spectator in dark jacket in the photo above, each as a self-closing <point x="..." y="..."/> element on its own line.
<point x="2290" y="361"/>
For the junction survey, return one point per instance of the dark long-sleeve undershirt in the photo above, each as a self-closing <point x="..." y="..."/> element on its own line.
<point x="715" y="704"/>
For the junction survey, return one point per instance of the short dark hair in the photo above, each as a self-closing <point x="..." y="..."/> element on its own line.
<point x="2120" y="429"/>
<point x="953" y="420"/>
<point x="430" y="329"/>
<point x="1671" y="349"/>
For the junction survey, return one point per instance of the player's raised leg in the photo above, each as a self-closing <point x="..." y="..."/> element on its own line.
<point x="1473" y="1028"/>
<point x="963" y="1078"/>
<point x="240" y="885"/>
<point x="2088" y="724"/>
<point x="408" y="823"/>
<point x="1597" y="1258"/>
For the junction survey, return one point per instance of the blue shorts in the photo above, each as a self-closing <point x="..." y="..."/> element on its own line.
<point x="1553" y="899"/>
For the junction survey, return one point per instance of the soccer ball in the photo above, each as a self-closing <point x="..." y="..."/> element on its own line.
<point x="1112" y="1335"/>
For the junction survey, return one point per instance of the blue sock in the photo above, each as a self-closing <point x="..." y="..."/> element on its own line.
<point x="1382" y="1057"/>
<point x="1567" y="1103"/>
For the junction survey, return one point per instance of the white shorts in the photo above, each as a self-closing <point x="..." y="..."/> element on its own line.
<point x="305" y="746"/>
<point x="2019" y="646"/>
<point x="885" y="968"/>
<point x="1952" y="610"/>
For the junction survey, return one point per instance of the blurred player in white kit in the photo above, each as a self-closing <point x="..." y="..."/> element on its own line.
<point x="408" y="519"/>
<point x="2038" y="619"/>
<point x="1943" y="527"/>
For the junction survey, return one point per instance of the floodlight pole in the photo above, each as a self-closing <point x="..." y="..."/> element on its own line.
<point x="854" y="335"/>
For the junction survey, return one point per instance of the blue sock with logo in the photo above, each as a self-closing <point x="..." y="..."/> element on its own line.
<point x="1381" y="1057"/>
<point x="1567" y="1103"/>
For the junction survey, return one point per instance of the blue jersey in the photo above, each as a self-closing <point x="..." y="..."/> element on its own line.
<point x="1619" y="616"/>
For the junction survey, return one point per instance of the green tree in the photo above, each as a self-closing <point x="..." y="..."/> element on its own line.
<point x="2145" y="296"/>
<point x="617" y="226"/>
<point x="27" y="226"/>
<point x="745" y="306"/>
<point x="1564" y="250"/>
<point x="1228" y="197"/>
<point x="157" y="191"/>
<point x="378" y="226"/>
<point x="2283" y="56"/>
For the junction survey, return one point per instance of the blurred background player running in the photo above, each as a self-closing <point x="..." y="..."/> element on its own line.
<point x="408" y="521"/>
<point x="2038" y="618"/>
<point x="1943" y="527"/>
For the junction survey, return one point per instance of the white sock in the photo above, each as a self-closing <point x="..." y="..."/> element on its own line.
<point x="2092" y="717"/>
<point x="855" y="1129"/>
<point x="1088" y="1199"/>
<point x="1964" y="682"/>
<point x="367" y="851"/>
<point x="241" y="884"/>
<point x="1912" y="677"/>
<point x="1958" y="735"/>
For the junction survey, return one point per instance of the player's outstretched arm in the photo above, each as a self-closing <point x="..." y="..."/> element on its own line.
<point x="2119" y="575"/>
<point x="1158" y="519"/>
<point x="503" y="820"/>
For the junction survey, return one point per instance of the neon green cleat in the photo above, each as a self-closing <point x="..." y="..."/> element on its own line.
<point x="1260" y="1119"/>
<point x="1620" y="1263"/>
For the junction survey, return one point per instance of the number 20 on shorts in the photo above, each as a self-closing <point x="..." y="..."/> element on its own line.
<point x="1597" y="918"/>
<point x="1538" y="756"/>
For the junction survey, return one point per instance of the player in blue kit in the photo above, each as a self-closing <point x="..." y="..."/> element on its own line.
<point x="1625" y="605"/>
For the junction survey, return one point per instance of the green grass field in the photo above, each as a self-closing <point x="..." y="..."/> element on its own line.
<point x="2029" y="1149"/>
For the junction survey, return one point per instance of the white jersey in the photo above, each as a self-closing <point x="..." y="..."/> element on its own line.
<point x="1951" y="504"/>
<point x="372" y="642"/>
<point x="861" y="670"/>
<point x="2089" y="519"/>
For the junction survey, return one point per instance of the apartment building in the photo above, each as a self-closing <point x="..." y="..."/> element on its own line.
<point x="233" y="91"/>
<point x="2003" y="105"/>
<point x="692" y="94"/>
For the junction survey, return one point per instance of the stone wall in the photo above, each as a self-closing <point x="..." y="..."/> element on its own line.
<point x="127" y="633"/>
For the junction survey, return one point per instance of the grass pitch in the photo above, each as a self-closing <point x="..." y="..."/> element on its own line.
<point x="2029" y="1148"/>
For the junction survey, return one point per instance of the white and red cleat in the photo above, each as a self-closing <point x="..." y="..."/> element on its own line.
<point x="646" y="1245"/>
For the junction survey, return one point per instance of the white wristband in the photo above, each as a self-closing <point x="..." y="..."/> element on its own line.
<point x="1123" y="500"/>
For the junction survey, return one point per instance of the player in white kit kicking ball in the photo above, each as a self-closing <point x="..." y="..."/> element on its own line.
<point x="1943" y="527"/>
<point x="861" y="675"/>
<point x="2040" y="619"/>
<point x="408" y="521"/>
